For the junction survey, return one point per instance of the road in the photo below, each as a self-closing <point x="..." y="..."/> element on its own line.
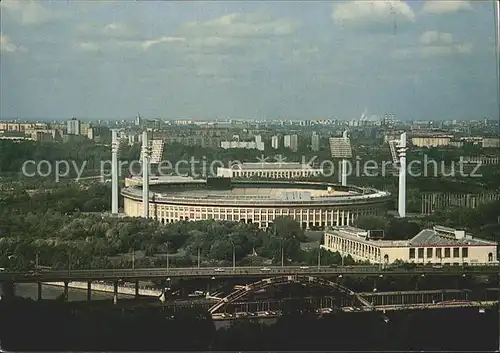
<point x="228" y="272"/>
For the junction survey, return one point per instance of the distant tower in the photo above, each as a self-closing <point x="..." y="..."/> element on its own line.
<point x="275" y="142"/>
<point x="315" y="142"/>
<point x="138" y="120"/>
<point x="73" y="126"/>
<point x="294" y="142"/>
<point x="114" y="171"/>
<point x="145" y="174"/>
<point x="286" y="141"/>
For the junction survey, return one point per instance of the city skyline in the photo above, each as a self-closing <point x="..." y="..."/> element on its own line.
<point x="260" y="60"/>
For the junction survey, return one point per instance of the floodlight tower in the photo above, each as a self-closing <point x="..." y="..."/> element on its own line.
<point x="115" y="144"/>
<point x="496" y="18"/>
<point x="145" y="174"/>
<point x="497" y="52"/>
<point x="398" y="152"/>
<point x="340" y="148"/>
<point x="344" y="161"/>
<point x="402" y="176"/>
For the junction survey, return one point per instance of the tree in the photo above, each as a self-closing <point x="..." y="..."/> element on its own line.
<point x="371" y="222"/>
<point x="401" y="229"/>
<point x="287" y="227"/>
<point x="326" y="257"/>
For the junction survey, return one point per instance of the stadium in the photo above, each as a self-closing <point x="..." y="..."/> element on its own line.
<point x="314" y="205"/>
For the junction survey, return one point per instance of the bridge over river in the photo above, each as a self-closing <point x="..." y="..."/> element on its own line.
<point x="235" y="272"/>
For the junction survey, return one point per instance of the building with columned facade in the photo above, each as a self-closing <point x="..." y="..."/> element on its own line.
<point x="439" y="245"/>
<point x="313" y="205"/>
<point x="285" y="170"/>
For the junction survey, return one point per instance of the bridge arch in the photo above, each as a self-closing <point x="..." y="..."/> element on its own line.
<point x="281" y="280"/>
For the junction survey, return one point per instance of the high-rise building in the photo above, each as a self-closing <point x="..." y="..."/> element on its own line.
<point x="84" y="129"/>
<point x="315" y="142"/>
<point x="291" y="142"/>
<point x="99" y="133"/>
<point x="74" y="127"/>
<point x="294" y="143"/>
<point x="287" y="141"/>
<point x="275" y="142"/>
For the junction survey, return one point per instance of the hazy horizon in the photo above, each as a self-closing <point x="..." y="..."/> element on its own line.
<point x="425" y="60"/>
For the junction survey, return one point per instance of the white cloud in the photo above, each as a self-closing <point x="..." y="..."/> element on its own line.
<point x="115" y="30"/>
<point x="366" y="13"/>
<point x="229" y="31"/>
<point x="117" y="35"/>
<point x="88" y="46"/>
<point x="433" y="37"/>
<point x="304" y="55"/>
<point x="149" y="43"/>
<point x="434" y="43"/>
<point x="241" y="26"/>
<point x="446" y="6"/>
<point x="27" y="12"/>
<point x="232" y="32"/>
<point x="212" y="44"/>
<point x="7" y="46"/>
<point x="457" y="49"/>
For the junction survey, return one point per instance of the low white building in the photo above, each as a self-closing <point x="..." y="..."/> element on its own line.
<point x="257" y="144"/>
<point x="439" y="245"/>
<point x="249" y="145"/>
<point x="491" y="142"/>
<point x="279" y="170"/>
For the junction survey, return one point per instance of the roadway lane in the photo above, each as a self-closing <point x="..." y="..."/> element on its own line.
<point x="208" y="272"/>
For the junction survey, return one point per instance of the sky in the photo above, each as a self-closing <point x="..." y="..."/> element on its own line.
<point x="420" y="60"/>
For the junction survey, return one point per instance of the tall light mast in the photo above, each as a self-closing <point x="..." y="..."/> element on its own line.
<point x="496" y="18"/>
<point x="398" y="152"/>
<point x="145" y="174"/>
<point x="402" y="175"/>
<point x="497" y="52"/>
<point x="344" y="161"/>
<point x="115" y="145"/>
